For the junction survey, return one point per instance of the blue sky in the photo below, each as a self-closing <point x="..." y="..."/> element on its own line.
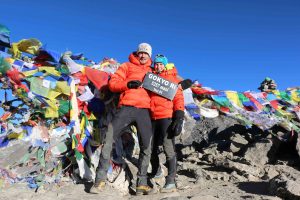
<point x="224" y="44"/>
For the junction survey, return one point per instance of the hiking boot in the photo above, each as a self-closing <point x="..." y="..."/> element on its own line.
<point x="170" y="187"/>
<point x="97" y="188"/>
<point x="144" y="190"/>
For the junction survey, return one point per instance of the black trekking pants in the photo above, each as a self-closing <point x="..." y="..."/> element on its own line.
<point x="126" y="116"/>
<point x="162" y="135"/>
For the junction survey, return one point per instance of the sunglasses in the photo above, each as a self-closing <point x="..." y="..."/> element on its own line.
<point x="159" y="56"/>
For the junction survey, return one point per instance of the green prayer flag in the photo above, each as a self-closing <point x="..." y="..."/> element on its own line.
<point x="4" y="66"/>
<point x="64" y="107"/>
<point x="243" y="98"/>
<point x="284" y="95"/>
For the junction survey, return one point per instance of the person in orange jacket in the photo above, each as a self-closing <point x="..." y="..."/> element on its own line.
<point x="167" y="121"/>
<point x="134" y="105"/>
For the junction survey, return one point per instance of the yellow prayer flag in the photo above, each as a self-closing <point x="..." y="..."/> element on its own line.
<point x="73" y="143"/>
<point x="50" y="70"/>
<point x="295" y="96"/>
<point x="30" y="72"/>
<point x="15" y="50"/>
<point x="53" y="94"/>
<point x="92" y="117"/>
<point x="233" y="97"/>
<point x="277" y="93"/>
<point x="52" y="110"/>
<point x="15" y="135"/>
<point x="82" y="128"/>
<point x="29" y="45"/>
<point x="62" y="87"/>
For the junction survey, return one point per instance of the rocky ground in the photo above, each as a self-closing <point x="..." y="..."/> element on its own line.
<point x="217" y="159"/>
<point x="209" y="191"/>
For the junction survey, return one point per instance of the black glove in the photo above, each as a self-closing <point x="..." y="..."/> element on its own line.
<point x="134" y="84"/>
<point x="177" y="122"/>
<point x="186" y="83"/>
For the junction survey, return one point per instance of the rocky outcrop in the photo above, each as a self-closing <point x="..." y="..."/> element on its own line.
<point x="287" y="184"/>
<point x="212" y="154"/>
<point x="222" y="149"/>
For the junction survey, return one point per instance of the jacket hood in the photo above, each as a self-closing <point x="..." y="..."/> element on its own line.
<point x="133" y="58"/>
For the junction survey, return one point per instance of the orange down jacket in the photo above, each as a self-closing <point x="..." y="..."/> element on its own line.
<point x="130" y="71"/>
<point x="162" y="107"/>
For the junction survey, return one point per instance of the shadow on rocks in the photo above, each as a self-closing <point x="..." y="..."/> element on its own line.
<point x="259" y="188"/>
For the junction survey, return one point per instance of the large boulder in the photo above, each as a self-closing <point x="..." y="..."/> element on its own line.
<point x="207" y="129"/>
<point x="262" y="152"/>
